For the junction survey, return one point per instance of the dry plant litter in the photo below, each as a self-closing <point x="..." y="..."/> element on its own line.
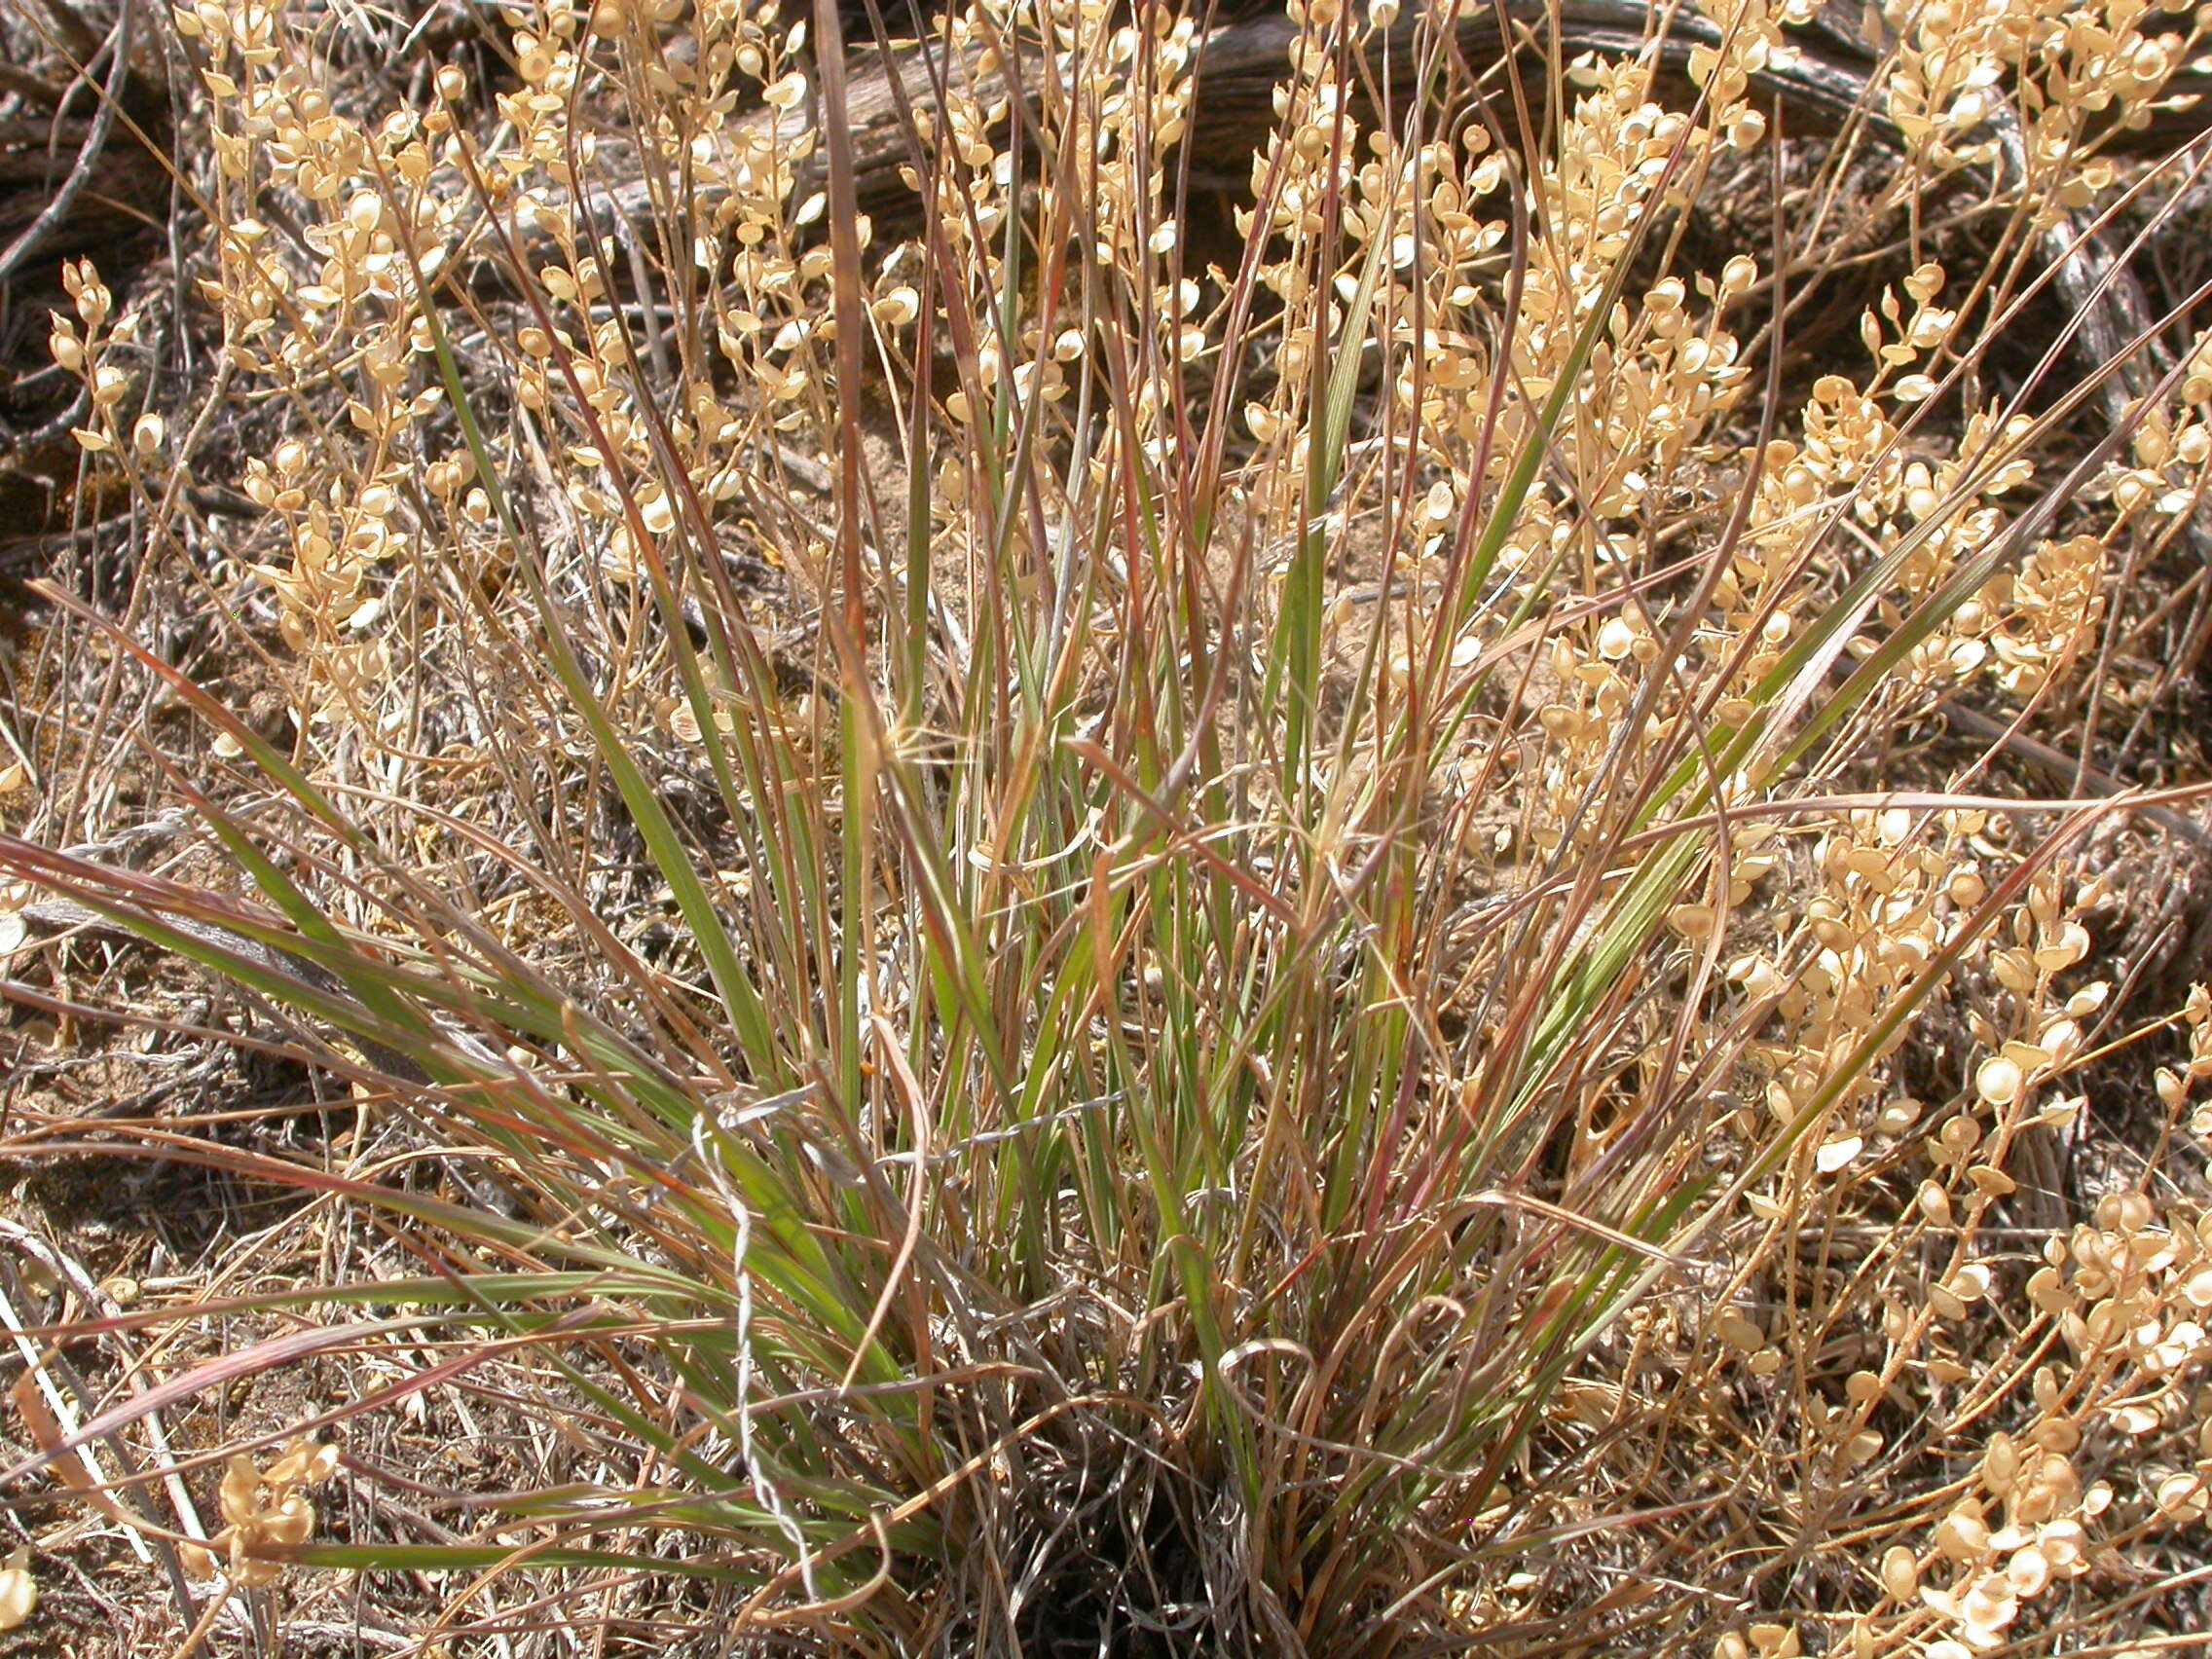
<point x="1119" y="916"/>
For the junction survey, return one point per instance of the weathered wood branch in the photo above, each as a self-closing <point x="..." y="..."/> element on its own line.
<point x="1239" y="64"/>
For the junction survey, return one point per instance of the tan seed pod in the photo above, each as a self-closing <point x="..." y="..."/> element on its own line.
<point x="18" y="1591"/>
<point x="1998" y="1081"/>
<point x="1963" y="1536"/>
<point x="2028" y="1571"/>
<point x="1740" y="1333"/>
<point x="1901" y="1574"/>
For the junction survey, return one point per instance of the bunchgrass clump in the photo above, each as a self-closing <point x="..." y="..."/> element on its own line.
<point x="1059" y="893"/>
